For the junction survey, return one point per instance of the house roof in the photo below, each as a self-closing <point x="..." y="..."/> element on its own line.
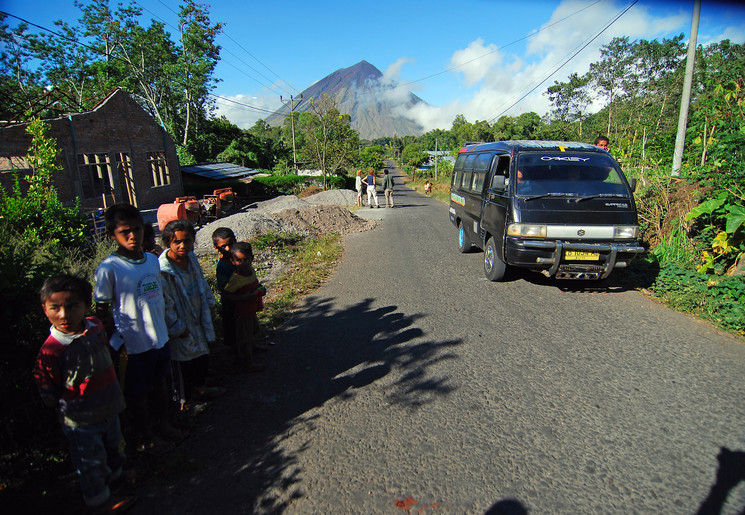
<point x="219" y="171"/>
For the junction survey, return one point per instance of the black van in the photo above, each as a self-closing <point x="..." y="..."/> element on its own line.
<point x="562" y="208"/>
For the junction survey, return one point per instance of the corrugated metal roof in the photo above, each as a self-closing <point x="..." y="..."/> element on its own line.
<point x="219" y="171"/>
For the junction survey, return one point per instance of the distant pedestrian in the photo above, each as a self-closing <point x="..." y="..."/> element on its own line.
<point x="388" y="188"/>
<point x="427" y="187"/>
<point x="372" y="193"/>
<point x="358" y="187"/>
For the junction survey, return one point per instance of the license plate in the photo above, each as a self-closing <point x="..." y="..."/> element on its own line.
<point x="581" y="256"/>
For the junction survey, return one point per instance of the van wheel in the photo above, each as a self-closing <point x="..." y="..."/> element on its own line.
<point x="464" y="243"/>
<point x="494" y="268"/>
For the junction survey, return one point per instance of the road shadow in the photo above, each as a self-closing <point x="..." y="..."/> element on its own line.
<point x="730" y="472"/>
<point x="640" y="275"/>
<point x="507" y="507"/>
<point x="240" y="456"/>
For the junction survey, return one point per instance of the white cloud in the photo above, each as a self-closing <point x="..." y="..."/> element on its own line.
<point x="392" y="74"/>
<point x="238" y="109"/>
<point x="734" y="34"/>
<point x="475" y="61"/>
<point x="500" y="79"/>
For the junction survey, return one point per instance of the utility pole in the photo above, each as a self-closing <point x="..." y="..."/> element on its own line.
<point x="292" y="122"/>
<point x="680" y="139"/>
<point x="436" y="156"/>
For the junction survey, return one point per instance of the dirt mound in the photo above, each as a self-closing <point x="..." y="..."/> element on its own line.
<point x="318" y="214"/>
<point x="324" y="219"/>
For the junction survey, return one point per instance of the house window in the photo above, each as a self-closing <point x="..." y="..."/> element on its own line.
<point x="126" y="178"/>
<point x="11" y="164"/>
<point x="159" y="173"/>
<point x="95" y="174"/>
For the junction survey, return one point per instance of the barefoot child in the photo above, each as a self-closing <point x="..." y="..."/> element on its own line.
<point x="75" y="374"/>
<point x="222" y="239"/>
<point x="128" y="289"/>
<point x="189" y="304"/>
<point x="245" y="291"/>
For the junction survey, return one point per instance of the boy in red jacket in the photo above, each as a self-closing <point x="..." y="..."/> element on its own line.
<point x="75" y="374"/>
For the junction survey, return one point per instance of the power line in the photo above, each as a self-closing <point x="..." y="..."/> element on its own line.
<point x="98" y="52"/>
<point x="566" y="61"/>
<point x="241" y="60"/>
<point x="261" y="63"/>
<point x="498" y="48"/>
<point x="254" y="108"/>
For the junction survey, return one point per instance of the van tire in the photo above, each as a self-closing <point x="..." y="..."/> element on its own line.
<point x="464" y="242"/>
<point x="494" y="267"/>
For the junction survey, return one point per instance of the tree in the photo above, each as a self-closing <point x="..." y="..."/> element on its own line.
<point x="570" y="101"/>
<point x="608" y="74"/>
<point x="371" y="157"/>
<point x="330" y="142"/>
<point x="19" y="84"/>
<point x="196" y="62"/>
<point x="414" y="156"/>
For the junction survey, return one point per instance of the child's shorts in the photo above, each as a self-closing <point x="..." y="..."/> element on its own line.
<point x="144" y="369"/>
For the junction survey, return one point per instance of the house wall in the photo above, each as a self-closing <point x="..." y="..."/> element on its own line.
<point x="117" y="130"/>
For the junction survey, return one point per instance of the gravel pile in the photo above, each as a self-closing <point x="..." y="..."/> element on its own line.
<point x="312" y="215"/>
<point x="333" y="197"/>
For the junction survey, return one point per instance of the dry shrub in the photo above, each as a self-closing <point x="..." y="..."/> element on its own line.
<point x="663" y="203"/>
<point x="310" y="190"/>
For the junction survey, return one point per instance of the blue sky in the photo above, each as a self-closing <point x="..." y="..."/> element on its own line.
<point x="471" y="57"/>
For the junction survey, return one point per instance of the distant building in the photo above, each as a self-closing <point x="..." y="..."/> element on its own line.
<point x="115" y="152"/>
<point x="210" y="173"/>
<point x="443" y="155"/>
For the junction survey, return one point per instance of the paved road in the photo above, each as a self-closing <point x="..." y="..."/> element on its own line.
<point x="409" y="376"/>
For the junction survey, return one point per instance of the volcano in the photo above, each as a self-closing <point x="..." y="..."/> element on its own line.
<point x="377" y="109"/>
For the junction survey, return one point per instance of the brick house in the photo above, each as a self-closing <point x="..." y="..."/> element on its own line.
<point x="115" y="152"/>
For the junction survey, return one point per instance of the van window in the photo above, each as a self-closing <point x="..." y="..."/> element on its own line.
<point x="540" y="173"/>
<point x="482" y="162"/>
<point x="503" y="166"/>
<point x="457" y="177"/>
<point x="477" y="183"/>
<point x="460" y="162"/>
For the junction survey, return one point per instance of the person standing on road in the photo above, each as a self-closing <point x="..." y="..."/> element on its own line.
<point x="358" y="187"/>
<point x="372" y="193"/>
<point x="388" y="188"/>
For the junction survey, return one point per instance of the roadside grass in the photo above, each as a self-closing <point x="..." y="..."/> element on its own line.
<point x="309" y="261"/>
<point x="312" y="260"/>
<point x="440" y="189"/>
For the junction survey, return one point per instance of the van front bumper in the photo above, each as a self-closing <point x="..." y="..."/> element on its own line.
<point x="550" y="257"/>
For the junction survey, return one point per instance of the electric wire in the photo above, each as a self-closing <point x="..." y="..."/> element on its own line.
<point x="498" y="48"/>
<point x="98" y="52"/>
<point x="270" y="88"/>
<point x="593" y="38"/>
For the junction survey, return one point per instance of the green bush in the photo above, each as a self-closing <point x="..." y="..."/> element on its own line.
<point x="39" y="236"/>
<point x="718" y="299"/>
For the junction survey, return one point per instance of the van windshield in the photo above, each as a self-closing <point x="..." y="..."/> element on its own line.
<point x="568" y="174"/>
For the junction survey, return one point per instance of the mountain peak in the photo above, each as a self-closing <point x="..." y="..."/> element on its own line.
<point x="370" y="104"/>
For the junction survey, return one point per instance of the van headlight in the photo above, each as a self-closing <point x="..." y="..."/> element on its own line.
<point x="526" y="230"/>
<point x="625" y="232"/>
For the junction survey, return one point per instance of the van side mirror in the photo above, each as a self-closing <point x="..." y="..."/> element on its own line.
<point x="632" y="184"/>
<point x="498" y="182"/>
